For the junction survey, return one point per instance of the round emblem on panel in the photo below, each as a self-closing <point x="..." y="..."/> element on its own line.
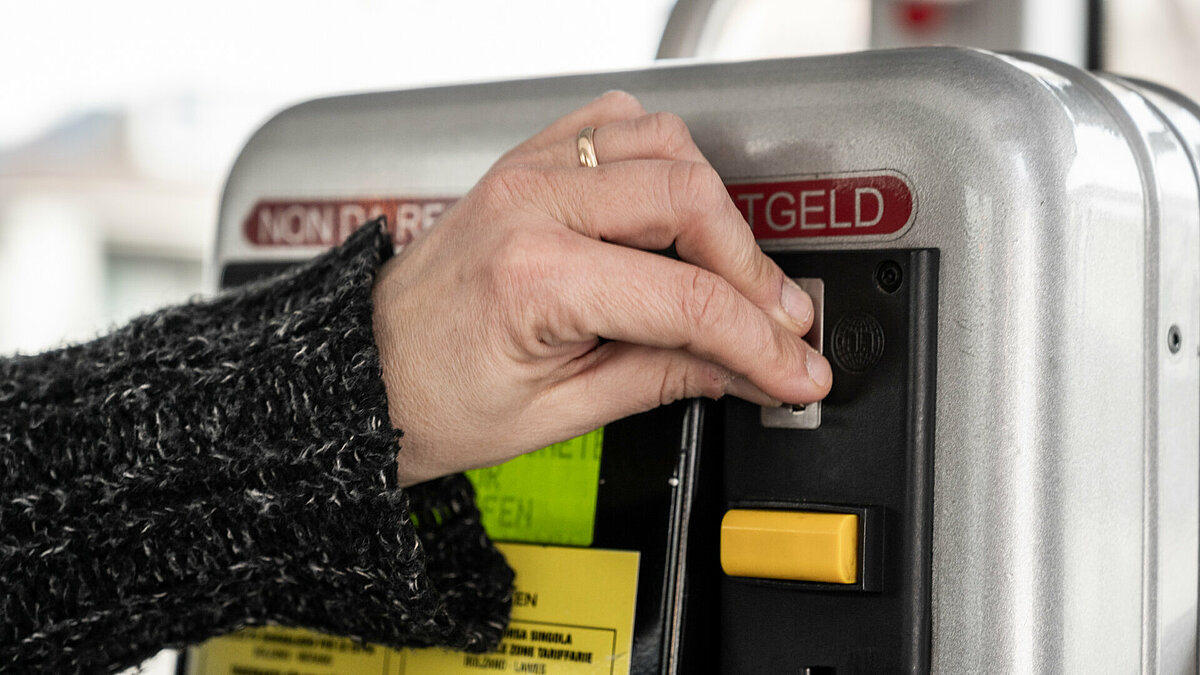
<point x="857" y="342"/>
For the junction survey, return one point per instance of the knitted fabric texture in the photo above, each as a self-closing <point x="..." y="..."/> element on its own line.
<point x="222" y="464"/>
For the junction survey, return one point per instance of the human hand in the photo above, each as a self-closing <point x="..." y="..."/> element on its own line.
<point x="490" y="327"/>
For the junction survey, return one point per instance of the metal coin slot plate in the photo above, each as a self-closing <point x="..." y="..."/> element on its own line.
<point x="789" y="416"/>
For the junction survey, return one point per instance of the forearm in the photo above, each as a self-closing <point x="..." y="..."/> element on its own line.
<point x="222" y="464"/>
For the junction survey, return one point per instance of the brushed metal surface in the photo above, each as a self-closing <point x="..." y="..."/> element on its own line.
<point x="1032" y="179"/>
<point x="1157" y="125"/>
<point x="1170" y="130"/>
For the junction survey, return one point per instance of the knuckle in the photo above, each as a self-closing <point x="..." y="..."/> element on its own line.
<point x="710" y="381"/>
<point x="621" y="100"/>
<point x="683" y="379"/>
<point x="669" y="134"/>
<point x="519" y="298"/>
<point x="694" y="188"/>
<point x="671" y="388"/>
<point x="526" y="269"/>
<point x="759" y="270"/>
<point x="705" y="300"/>
<point x="524" y="188"/>
<point x="516" y="260"/>
<point x="502" y="185"/>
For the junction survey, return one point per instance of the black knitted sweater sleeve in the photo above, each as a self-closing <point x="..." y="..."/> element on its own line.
<point x="228" y="463"/>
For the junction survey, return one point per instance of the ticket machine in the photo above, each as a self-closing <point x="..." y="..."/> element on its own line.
<point x="1005" y="251"/>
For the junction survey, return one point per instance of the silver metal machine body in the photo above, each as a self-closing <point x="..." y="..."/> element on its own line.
<point x="1066" y="210"/>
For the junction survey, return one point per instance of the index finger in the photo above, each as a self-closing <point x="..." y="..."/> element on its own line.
<point x="636" y="297"/>
<point x="654" y="204"/>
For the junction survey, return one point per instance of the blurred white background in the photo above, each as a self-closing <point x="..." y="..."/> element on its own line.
<point x="120" y="119"/>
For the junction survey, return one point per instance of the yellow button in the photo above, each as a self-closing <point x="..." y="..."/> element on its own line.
<point x="795" y="545"/>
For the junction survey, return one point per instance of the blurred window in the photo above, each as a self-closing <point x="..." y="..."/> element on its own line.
<point x="121" y="119"/>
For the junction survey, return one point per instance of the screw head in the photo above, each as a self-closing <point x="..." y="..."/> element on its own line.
<point x="889" y="276"/>
<point x="1174" y="339"/>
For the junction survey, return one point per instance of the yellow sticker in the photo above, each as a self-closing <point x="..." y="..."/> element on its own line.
<point x="274" y="650"/>
<point x="572" y="614"/>
<point x="544" y="497"/>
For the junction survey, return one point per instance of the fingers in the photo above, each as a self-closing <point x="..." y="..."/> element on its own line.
<point x="612" y="106"/>
<point x="650" y="300"/>
<point x="623" y="379"/>
<point x="648" y="136"/>
<point x="685" y="204"/>
<point x="623" y="130"/>
<point x="653" y="208"/>
<point x="653" y="204"/>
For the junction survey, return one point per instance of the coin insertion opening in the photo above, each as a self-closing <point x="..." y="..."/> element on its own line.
<point x="802" y="415"/>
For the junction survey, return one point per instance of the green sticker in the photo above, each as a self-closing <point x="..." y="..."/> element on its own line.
<point x="545" y="497"/>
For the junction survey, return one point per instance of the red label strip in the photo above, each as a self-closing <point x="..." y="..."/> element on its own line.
<point x="825" y="207"/>
<point x="856" y="205"/>
<point x="325" y="223"/>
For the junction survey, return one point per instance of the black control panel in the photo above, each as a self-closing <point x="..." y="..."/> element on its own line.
<point x="669" y="477"/>
<point x="871" y="456"/>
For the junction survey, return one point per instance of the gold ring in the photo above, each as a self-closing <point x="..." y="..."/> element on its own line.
<point x="586" y="144"/>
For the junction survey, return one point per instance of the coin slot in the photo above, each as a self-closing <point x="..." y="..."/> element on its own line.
<point x="801" y="415"/>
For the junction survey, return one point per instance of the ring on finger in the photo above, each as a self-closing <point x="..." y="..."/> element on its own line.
<point x="585" y="142"/>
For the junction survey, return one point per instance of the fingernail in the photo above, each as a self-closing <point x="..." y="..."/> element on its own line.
<point x="796" y="303"/>
<point x="818" y="368"/>
<point x="741" y="388"/>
